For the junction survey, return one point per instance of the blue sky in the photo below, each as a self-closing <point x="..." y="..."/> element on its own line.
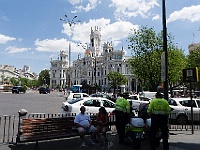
<point x="31" y="32"/>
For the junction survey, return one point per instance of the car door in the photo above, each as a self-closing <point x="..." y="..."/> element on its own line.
<point x="109" y="105"/>
<point x="187" y="104"/>
<point x="176" y="108"/>
<point x="92" y="105"/>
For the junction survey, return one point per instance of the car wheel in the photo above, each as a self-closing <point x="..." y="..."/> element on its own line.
<point x="182" y="119"/>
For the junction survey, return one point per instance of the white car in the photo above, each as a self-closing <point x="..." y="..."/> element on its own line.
<point x="92" y="105"/>
<point x="72" y="96"/>
<point x="147" y="94"/>
<point x="136" y="100"/>
<point x="181" y="109"/>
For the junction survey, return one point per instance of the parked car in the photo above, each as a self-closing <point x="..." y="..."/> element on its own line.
<point x="92" y="105"/>
<point x="147" y="94"/>
<point x="101" y="95"/>
<point x="181" y="109"/>
<point x="135" y="100"/>
<point x="18" y="89"/>
<point x="74" y="96"/>
<point x="44" y="90"/>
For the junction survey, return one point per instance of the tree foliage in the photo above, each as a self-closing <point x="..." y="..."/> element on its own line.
<point x="44" y="78"/>
<point x="194" y="58"/>
<point x="194" y="61"/>
<point x="147" y="47"/>
<point x="116" y="79"/>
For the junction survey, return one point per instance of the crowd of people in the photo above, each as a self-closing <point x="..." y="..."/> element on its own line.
<point x="158" y="109"/>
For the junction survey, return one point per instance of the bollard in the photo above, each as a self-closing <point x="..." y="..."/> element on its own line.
<point x="22" y="114"/>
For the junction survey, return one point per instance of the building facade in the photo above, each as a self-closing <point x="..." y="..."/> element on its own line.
<point x="7" y="72"/>
<point x="59" y="71"/>
<point x="93" y="67"/>
<point x="193" y="46"/>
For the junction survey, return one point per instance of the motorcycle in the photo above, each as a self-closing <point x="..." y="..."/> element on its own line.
<point x="147" y="132"/>
<point x="138" y="129"/>
<point x="134" y="131"/>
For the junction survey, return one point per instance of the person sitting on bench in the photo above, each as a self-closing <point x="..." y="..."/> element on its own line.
<point x="83" y="123"/>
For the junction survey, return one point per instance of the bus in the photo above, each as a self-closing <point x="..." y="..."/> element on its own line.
<point x="77" y="89"/>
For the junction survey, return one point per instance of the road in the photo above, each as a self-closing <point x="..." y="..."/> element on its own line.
<point x="32" y="101"/>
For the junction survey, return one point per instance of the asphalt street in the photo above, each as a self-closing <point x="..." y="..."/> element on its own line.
<point x="32" y="101"/>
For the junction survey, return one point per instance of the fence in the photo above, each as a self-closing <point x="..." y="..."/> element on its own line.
<point x="9" y="125"/>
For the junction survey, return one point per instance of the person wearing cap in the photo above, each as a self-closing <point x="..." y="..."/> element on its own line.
<point x="159" y="110"/>
<point x="122" y="111"/>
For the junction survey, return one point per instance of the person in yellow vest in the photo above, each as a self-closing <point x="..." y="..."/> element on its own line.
<point x="122" y="111"/>
<point x="159" y="110"/>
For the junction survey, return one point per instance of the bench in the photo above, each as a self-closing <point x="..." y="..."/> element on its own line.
<point x="38" y="129"/>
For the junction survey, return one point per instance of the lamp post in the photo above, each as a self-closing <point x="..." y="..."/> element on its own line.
<point x="165" y="50"/>
<point x="70" y="23"/>
<point x="84" y="46"/>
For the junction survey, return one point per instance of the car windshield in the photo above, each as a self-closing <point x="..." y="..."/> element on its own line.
<point x="198" y="103"/>
<point x="148" y="94"/>
<point x="188" y="103"/>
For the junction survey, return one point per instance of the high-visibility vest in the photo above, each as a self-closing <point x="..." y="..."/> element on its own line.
<point x="122" y="105"/>
<point x="159" y="106"/>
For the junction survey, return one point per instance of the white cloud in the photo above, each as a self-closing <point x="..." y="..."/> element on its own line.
<point x="156" y="17"/>
<point x="3" y="17"/>
<point x="55" y="45"/>
<point x="74" y="2"/>
<point x="129" y="8"/>
<point x="85" y="5"/>
<point x="4" y="39"/>
<point x="117" y="31"/>
<point x="14" y="49"/>
<point x="48" y="45"/>
<point x="191" y="13"/>
<point x="109" y="31"/>
<point x="80" y="33"/>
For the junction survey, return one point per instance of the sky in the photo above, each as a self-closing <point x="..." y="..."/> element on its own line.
<point x="31" y="32"/>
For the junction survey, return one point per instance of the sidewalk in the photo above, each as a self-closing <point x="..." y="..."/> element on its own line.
<point x="179" y="140"/>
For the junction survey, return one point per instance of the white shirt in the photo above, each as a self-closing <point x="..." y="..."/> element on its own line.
<point x="82" y="119"/>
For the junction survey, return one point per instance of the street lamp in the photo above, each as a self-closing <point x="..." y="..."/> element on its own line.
<point x="70" y="22"/>
<point x="83" y="45"/>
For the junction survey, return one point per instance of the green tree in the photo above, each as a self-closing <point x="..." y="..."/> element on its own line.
<point x="146" y="47"/>
<point x="14" y="82"/>
<point x="194" y="61"/>
<point x="116" y="79"/>
<point x="177" y="61"/>
<point x="44" y="78"/>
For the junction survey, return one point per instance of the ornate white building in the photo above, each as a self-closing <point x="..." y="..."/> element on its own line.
<point x="59" y="70"/>
<point x="93" y="67"/>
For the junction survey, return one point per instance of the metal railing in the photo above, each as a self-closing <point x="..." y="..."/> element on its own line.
<point x="8" y="129"/>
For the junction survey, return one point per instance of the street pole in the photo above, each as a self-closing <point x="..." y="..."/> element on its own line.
<point x="95" y="73"/>
<point x="70" y="23"/>
<point x="165" y="50"/>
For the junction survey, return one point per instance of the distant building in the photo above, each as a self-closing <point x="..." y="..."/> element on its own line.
<point x="7" y="72"/>
<point x="193" y="46"/>
<point x="92" y="69"/>
<point x="59" y="70"/>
